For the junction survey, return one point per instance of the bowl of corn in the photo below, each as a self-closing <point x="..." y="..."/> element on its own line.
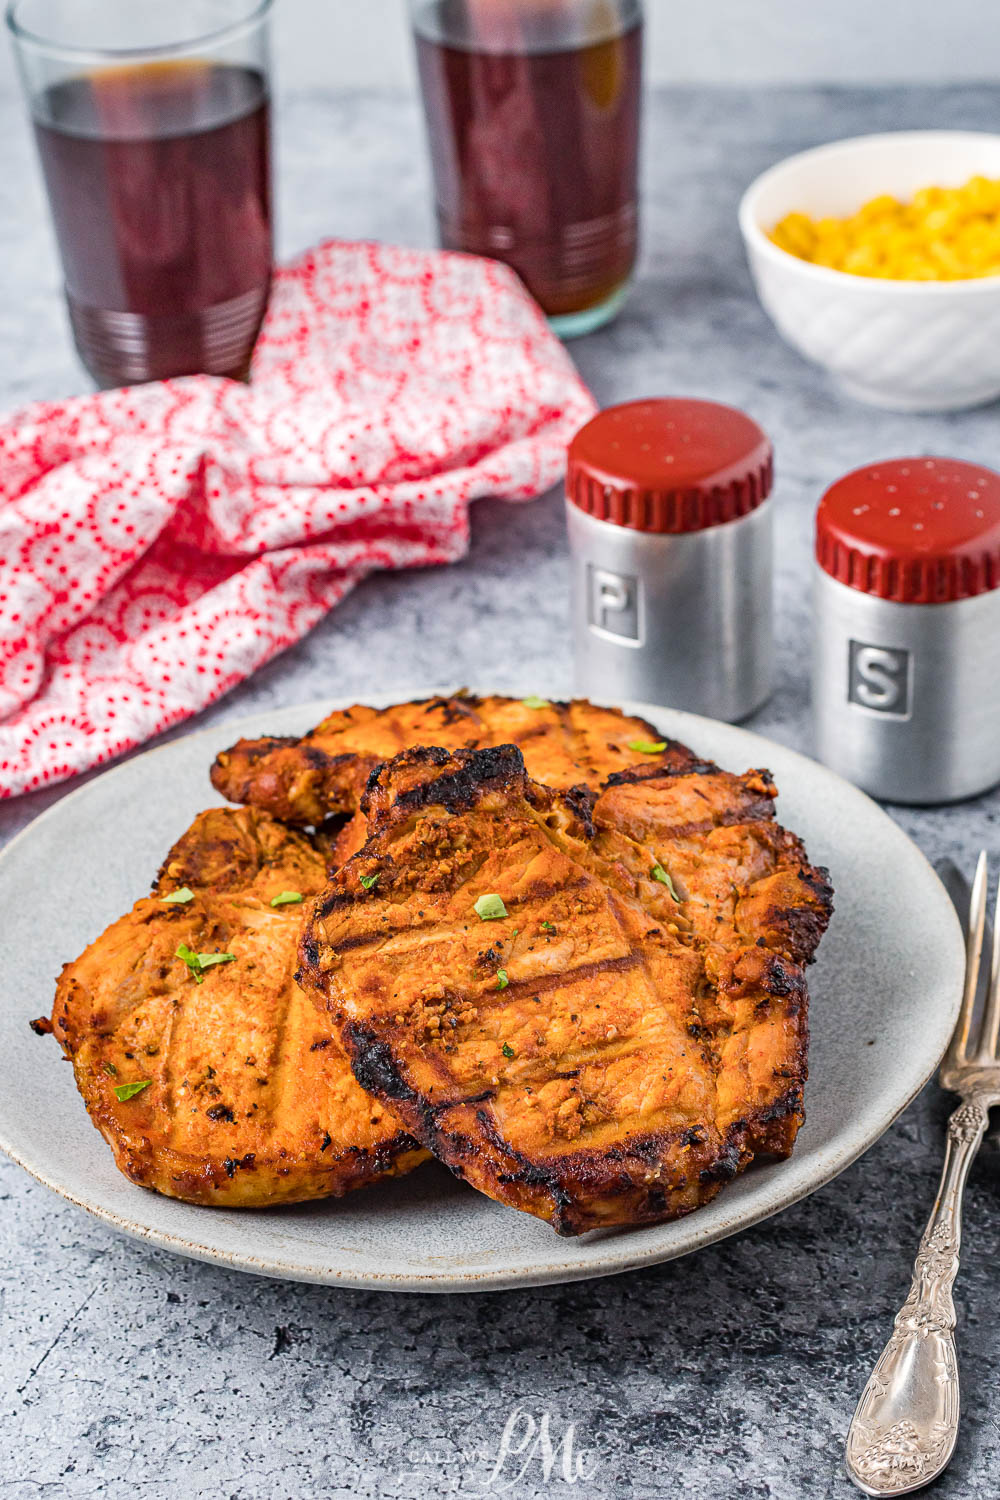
<point x="879" y="258"/>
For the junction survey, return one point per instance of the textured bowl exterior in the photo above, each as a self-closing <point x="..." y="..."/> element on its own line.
<point x="912" y="346"/>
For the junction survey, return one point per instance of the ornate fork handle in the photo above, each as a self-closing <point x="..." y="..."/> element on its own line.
<point x="904" y="1429"/>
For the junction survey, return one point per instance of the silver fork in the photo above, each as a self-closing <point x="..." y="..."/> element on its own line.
<point x="904" y="1430"/>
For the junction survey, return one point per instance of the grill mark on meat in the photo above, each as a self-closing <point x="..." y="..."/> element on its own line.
<point x="561" y="978"/>
<point x="359" y="940"/>
<point x="145" y="1005"/>
<point x="760" y="1129"/>
<point x="464" y="788"/>
<point x="541" y="984"/>
<point x="679" y="832"/>
<point x="541" y="891"/>
<point x="376" y="1070"/>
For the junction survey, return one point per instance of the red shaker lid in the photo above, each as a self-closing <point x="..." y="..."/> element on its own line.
<point x="914" y="530"/>
<point x="670" y="464"/>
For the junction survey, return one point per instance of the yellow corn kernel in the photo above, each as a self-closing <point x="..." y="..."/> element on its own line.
<point x="885" y="206"/>
<point x="944" y="234"/>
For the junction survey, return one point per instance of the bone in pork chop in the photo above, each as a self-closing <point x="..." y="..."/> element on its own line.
<point x="325" y="773"/>
<point x="245" y="1100"/>
<point x="598" y="1020"/>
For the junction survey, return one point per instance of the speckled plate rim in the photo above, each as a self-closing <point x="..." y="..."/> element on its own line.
<point x="772" y="1188"/>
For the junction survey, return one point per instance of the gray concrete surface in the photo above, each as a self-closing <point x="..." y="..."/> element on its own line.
<point x="728" y="1375"/>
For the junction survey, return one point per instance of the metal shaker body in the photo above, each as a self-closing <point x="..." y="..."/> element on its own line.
<point x="906" y="697"/>
<point x="680" y="619"/>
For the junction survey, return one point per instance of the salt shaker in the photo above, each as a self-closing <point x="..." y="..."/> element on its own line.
<point x="671" y="555"/>
<point x="906" y="671"/>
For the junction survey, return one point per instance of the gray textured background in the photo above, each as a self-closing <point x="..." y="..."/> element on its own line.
<point x="731" y="1374"/>
<point x="366" y="43"/>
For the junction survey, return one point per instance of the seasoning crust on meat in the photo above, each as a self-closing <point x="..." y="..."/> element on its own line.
<point x="249" y="1101"/>
<point x="629" y="1031"/>
<point x="325" y="773"/>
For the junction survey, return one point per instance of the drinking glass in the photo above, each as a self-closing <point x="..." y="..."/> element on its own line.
<point x="152" y="123"/>
<point x="532" y="113"/>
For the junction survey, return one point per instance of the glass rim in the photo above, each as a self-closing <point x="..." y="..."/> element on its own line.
<point x="24" y="36"/>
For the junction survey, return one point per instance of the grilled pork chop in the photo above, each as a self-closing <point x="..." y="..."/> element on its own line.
<point x="246" y="1101"/>
<point x="599" y="1020"/>
<point x="307" y="780"/>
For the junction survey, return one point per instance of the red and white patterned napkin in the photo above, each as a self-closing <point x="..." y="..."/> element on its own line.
<point x="159" y="543"/>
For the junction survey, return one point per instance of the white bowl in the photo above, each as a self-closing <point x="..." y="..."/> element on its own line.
<point x="908" y="345"/>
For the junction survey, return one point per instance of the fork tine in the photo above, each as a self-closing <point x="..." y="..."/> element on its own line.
<point x="991" y="1020"/>
<point x="959" y="1049"/>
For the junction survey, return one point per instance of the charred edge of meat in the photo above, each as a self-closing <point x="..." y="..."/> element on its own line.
<point x="578" y="801"/>
<point x="726" y="1165"/>
<point x="800" y="927"/>
<point x="531" y="1174"/>
<point x="607" y="1174"/>
<point x="254" y="750"/>
<point x="382" y="1158"/>
<point x="427" y="755"/>
<point x="374" y="1067"/>
<point x="466" y="705"/>
<point x="788" y="1103"/>
<point x="376" y="1070"/>
<point x="308" y="953"/>
<point x="677" y="760"/>
<point x="785" y="982"/>
<point x="233" y="769"/>
<point x="458" y="706"/>
<point x="817" y="878"/>
<point x="457" y="790"/>
<point x="581" y="1173"/>
<point x="454" y="708"/>
<point x="232" y="765"/>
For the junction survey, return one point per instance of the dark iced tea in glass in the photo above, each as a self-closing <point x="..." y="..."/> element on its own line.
<point x="535" y="146"/>
<point x="159" y="182"/>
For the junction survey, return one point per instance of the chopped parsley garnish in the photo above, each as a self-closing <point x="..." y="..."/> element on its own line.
<point x="535" y="702"/>
<point x="125" y="1091"/>
<point x="548" y="927"/>
<point x="489" y="908"/>
<point x="191" y="959"/>
<point x="502" y="980"/>
<point x="179" y="898"/>
<point x="648" y="747"/>
<point x="368" y="881"/>
<point x="660" y="874"/>
<point x="199" y="962"/>
<point x="507" y="1050"/>
<point x="287" y="898"/>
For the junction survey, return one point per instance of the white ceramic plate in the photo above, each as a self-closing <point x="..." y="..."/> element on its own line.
<point x="885" y="996"/>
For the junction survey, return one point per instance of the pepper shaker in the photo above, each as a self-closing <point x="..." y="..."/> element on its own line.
<point x="906" y="668"/>
<point x="670" y="541"/>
